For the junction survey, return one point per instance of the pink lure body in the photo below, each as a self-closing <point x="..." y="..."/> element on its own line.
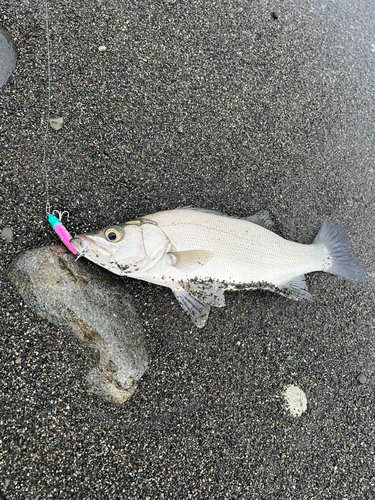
<point x="61" y="232"/>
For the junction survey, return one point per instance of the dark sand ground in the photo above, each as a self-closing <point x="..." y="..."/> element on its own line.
<point x="235" y="106"/>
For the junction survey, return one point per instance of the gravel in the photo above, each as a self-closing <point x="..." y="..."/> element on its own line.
<point x="234" y="106"/>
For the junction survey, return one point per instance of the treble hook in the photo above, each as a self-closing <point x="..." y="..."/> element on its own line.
<point x="61" y="214"/>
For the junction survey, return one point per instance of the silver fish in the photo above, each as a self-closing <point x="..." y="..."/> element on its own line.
<point x="199" y="254"/>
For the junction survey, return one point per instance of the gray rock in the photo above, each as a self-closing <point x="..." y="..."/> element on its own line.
<point x="56" y="123"/>
<point x="7" y="233"/>
<point x="362" y="378"/>
<point x="93" y="305"/>
<point x="8" y="57"/>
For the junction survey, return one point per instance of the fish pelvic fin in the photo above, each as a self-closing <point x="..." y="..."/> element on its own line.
<point x="209" y="292"/>
<point x="342" y="261"/>
<point x="196" y="298"/>
<point x="196" y="309"/>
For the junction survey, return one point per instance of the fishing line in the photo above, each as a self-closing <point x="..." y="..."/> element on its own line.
<point x="48" y="205"/>
<point x="55" y="222"/>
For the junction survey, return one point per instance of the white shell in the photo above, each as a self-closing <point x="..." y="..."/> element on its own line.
<point x="295" y="400"/>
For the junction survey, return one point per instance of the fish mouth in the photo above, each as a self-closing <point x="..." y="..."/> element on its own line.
<point x="84" y="244"/>
<point x="80" y="243"/>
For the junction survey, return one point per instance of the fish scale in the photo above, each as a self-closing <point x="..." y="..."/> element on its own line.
<point x="244" y="251"/>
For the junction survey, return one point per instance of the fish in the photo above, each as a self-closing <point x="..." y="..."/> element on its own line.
<point x="200" y="254"/>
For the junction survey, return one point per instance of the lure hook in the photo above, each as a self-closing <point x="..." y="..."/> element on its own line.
<point x="61" y="214"/>
<point x="82" y="252"/>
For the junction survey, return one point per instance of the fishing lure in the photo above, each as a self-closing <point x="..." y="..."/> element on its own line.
<point x="61" y="232"/>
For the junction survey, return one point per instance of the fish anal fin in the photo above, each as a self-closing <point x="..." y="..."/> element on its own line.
<point x="196" y="309"/>
<point x="190" y="260"/>
<point x="295" y="288"/>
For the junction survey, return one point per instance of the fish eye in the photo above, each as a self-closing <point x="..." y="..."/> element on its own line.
<point x="113" y="234"/>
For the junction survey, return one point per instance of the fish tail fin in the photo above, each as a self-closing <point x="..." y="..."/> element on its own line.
<point x="343" y="262"/>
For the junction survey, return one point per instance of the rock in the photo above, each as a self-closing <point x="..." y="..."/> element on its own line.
<point x="7" y="233"/>
<point x="56" y="123"/>
<point x="362" y="378"/>
<point x="8" y="57"/>
<point x="92" y="304"/>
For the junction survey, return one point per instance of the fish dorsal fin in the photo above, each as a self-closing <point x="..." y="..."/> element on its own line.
<point x="296" y="289"/>
<point x="190" y="260"/>
<point x="206" y="211"/>
<point x="210" y="292"/>
<point x="197" y="310"/>
<point x="260" y="218"/>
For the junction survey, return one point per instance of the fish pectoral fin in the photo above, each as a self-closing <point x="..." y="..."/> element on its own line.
<point x="262" y="219"/>
<point x="296" y="289"/>
<point x="190" y="260"/>
<point x="210" y="292"/>
<point x="196" y="309"/>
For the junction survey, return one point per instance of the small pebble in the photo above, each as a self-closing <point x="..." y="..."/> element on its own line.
<point x="289" y="358"/>
<point x="362" y="378"/>
<point x="56" y="123"/>
<point x="6" y="483"/>
<point x="295" y="399"/>
<point x="181" y="129"/>
<point x="7" y="233"/>
<point x="102" y="48"/>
